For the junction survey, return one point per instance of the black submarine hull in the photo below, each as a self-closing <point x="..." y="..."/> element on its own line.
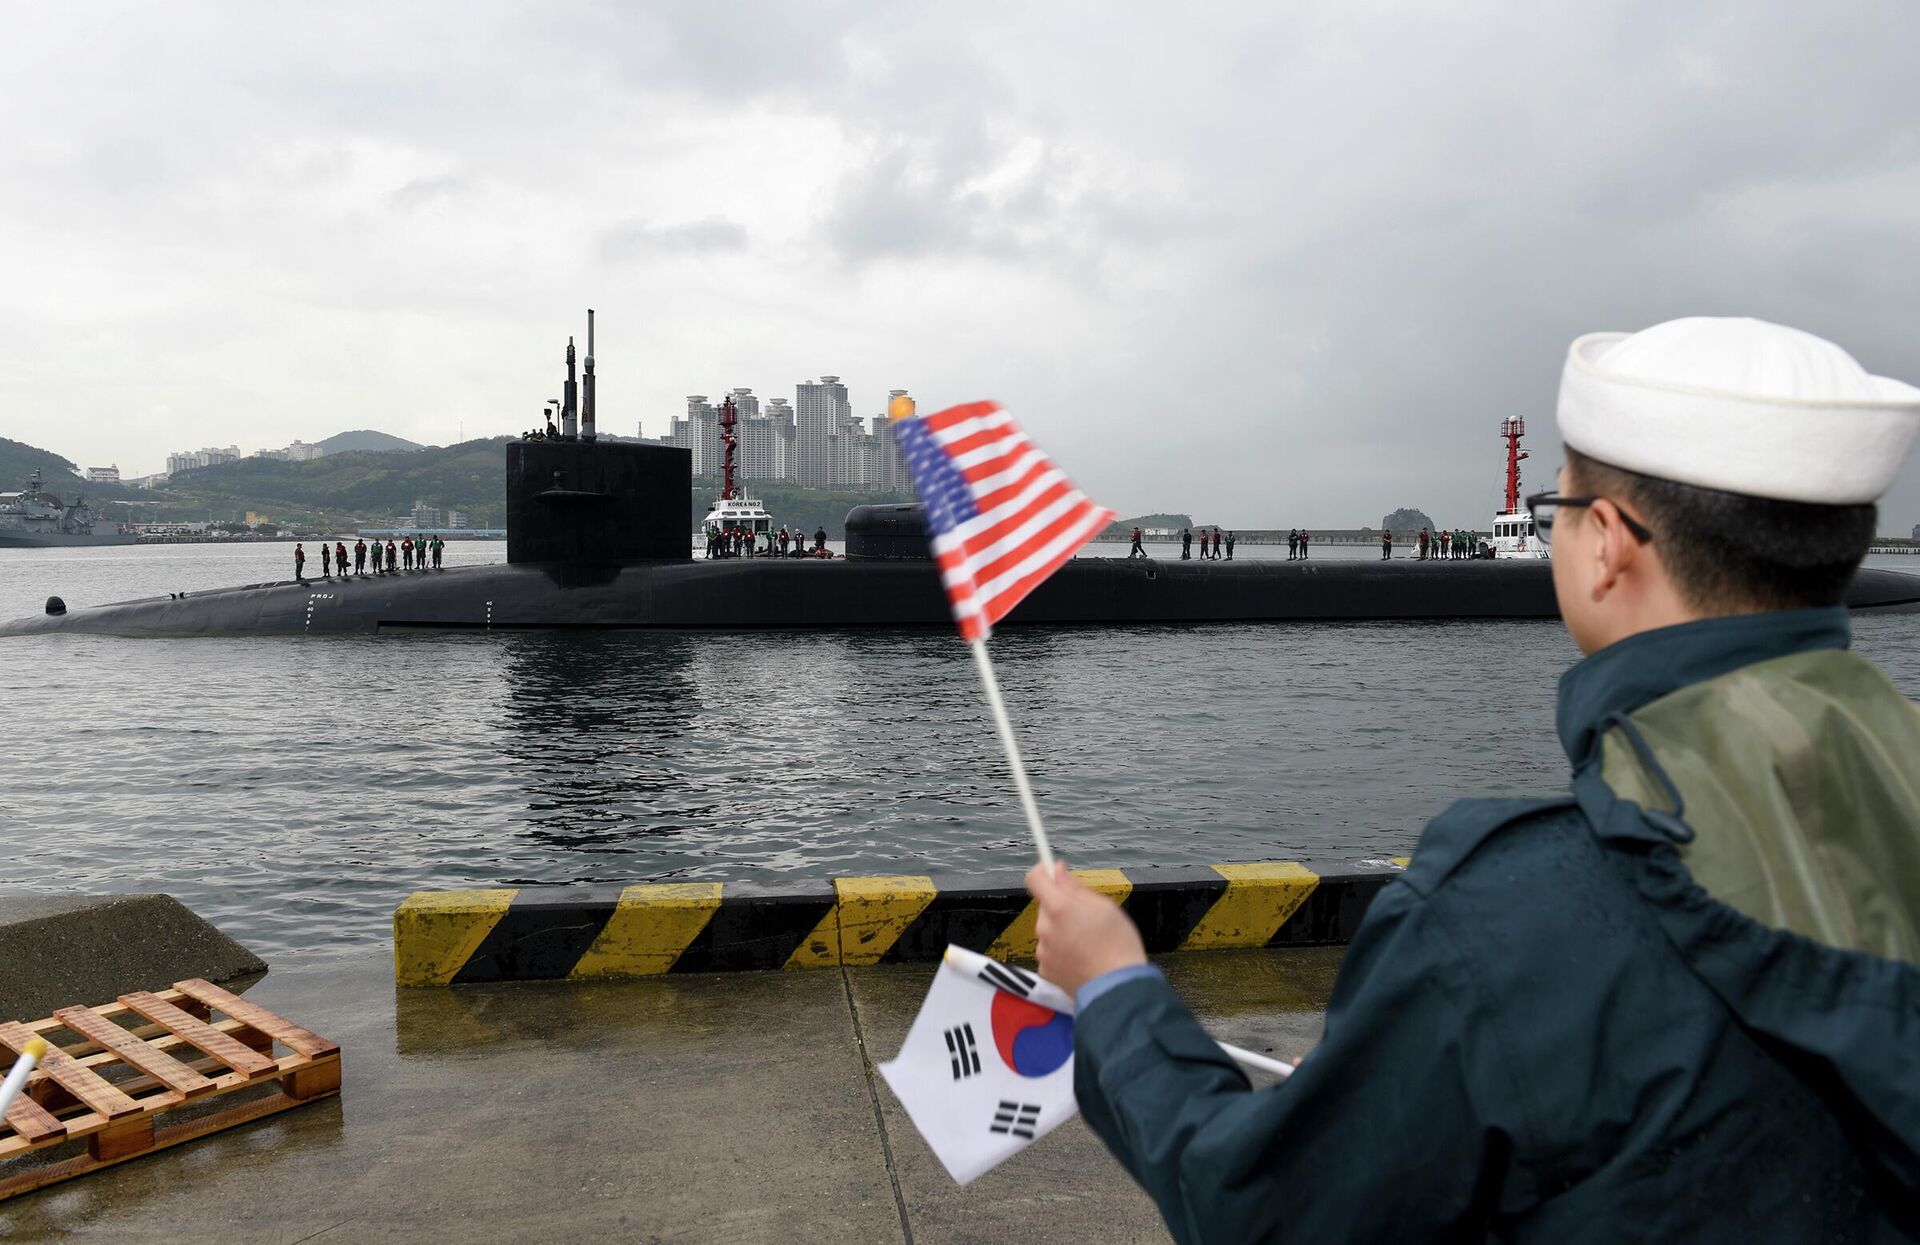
<point x="742" y="594"/>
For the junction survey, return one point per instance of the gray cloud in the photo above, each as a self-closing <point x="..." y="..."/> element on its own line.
<point x="636" y="239"/>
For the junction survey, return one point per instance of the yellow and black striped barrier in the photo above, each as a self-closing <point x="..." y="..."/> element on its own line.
<point x="583" y="932"/>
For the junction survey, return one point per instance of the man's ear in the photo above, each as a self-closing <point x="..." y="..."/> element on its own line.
<point x="1614" y="550"/>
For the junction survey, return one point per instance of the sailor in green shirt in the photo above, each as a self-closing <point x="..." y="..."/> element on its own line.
<point x="1677" y="1001"/>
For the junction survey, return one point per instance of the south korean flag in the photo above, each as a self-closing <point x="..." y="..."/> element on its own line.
<point x="987" y="1068"/>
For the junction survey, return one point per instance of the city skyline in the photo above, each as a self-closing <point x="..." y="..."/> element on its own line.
<point x="816" y="441"/>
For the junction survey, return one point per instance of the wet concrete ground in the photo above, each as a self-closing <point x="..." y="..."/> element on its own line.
<point x="738" y="1107"/>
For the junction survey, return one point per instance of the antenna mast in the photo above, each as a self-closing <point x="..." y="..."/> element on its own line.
<point x="586" y="386"/>
<point x="569" y="407"/>
<point x="1513" y="430"/>
<point x="728" y="422"/>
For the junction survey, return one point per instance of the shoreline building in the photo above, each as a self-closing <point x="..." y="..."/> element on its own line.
<point x="766" y="440"/>
<point x="298" y="452"/>
<point x="189" y="460"/>
<point x="820" y="408"/>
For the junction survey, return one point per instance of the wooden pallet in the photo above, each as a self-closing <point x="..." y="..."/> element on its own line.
<point x="135" y="1076"/>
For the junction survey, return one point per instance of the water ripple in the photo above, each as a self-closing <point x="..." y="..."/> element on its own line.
<point x="295" y="790"/>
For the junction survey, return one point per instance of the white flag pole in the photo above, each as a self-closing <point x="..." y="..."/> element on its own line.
<point x="1259" y="1063"/>
<point x="1012" y="748"/>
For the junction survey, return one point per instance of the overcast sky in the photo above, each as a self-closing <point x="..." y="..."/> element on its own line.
<point x="1269" y="264"/>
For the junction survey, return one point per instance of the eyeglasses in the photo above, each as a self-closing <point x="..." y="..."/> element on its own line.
<point x="1542" y="506"/>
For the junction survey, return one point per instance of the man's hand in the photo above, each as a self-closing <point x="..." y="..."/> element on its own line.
<point x="1082" y="933"/>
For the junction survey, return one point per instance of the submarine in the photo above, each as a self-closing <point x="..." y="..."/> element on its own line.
<point x="597" y="538"/>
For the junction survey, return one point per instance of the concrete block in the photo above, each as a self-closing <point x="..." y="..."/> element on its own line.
<point x="58" y="950"/>
<point x="547" y="933"/>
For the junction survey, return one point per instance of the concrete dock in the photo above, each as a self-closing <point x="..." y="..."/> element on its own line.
<point x="725" y="1107"/>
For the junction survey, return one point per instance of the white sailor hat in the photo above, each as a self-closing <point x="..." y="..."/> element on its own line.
<point x="1739" y="405"/>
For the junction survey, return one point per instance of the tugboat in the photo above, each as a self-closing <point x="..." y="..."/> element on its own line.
<point x="1513" y="534"/>
<point x="733" y="511"/>
<point x="36" y="519"/>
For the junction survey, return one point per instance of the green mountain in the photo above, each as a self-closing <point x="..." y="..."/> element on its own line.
<point x="357" y="487"/>
<point x="1152" y="521"/>
<point x="18" y="460"/>
<point x="365" y="439"/>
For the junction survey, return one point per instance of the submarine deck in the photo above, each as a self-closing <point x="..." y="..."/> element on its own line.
<point x="743" y="594"/>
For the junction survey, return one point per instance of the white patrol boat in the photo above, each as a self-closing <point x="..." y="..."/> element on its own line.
<point x="1513" y="534"/>
<point x="746" y="513"/>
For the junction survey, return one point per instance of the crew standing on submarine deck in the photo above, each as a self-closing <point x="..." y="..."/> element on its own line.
<point x="1136" y="551"/>
<point x="299" y="561"/>
<point x="360" y="556"/>
<point x="1680" y="1002"/>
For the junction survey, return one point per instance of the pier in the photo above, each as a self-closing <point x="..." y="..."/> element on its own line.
<point x="691" y="1108"/>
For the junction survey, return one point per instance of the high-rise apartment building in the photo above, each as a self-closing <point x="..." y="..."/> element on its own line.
<point x="766" y="444"/>
<point x="703" y="434"/>
<point x="819" y="409"/>
<point x="885" y="472"/>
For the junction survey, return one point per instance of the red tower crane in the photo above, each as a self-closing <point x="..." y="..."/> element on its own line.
<point x="1512" y="430"/>
<point x="729" y="420"/>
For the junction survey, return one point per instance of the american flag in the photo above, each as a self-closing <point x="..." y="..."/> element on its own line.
<point x="1000" y="516"/>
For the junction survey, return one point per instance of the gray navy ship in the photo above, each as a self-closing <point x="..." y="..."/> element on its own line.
<point x="38" y="518"/>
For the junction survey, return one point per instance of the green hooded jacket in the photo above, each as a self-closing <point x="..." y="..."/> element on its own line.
<point x="1677" y="1004"/>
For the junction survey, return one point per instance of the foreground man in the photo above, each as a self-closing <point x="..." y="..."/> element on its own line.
<point x="1680" y="1002"/>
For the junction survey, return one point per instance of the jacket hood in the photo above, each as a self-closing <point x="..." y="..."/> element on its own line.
<point x="1846" y="1021"/>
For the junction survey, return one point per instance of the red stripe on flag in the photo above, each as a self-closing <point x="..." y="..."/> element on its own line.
<point x="990" y="571"/>
<point x="1010" y="492"/>
<point x="1002" y="603"/>
<point x="975" y="440"/>
<point x="980" y="542"/>
<point x="980" y="472"/>
<point x="955" y="414"/>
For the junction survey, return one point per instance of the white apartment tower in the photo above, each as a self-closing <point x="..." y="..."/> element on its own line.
<point x="702" y="434"/>
<point x="820" y="409"/>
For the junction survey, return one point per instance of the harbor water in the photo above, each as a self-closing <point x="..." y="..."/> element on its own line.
<point x="295" y="789"/>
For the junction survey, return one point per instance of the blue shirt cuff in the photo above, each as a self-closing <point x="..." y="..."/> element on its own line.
<point x="1109" y="980"/>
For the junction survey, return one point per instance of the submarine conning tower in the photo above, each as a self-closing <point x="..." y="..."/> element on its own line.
<point x="575" y="500"/>
<point x="588" y="502"/>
